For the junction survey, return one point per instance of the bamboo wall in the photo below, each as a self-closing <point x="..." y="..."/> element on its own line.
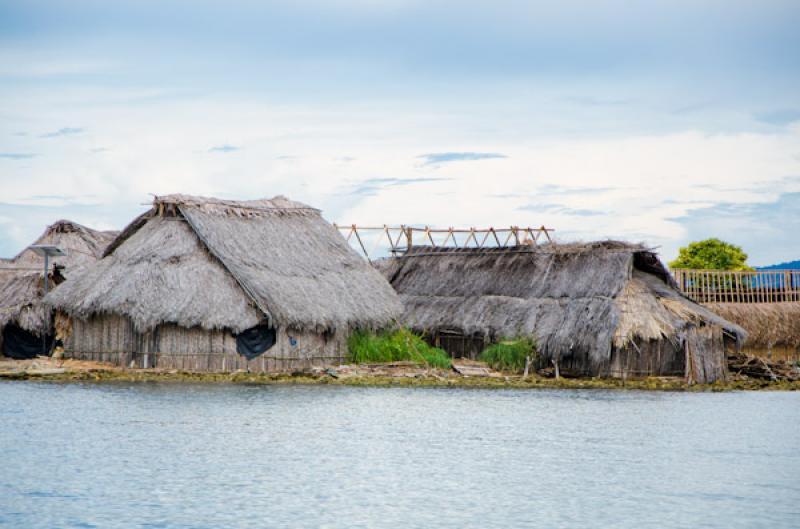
<point x="458" y="345"/>
<point x="704" y="349"/>
<point x="720" y="286"/>
<point x="701" y="357"/>
<point x="706" y="355"/>
<point x="113" y="339"/>
<point x="647" y="358"/>
<point x="763" y="302"/>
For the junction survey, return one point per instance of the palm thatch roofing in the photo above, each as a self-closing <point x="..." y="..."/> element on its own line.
<point x="222" y="264"/>
<point x="577" y="299"/>
<point x="767" y="324"/>
<point x="22" y="277"/>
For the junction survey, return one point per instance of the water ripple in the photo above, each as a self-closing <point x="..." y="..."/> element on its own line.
<point x="194" y="456"/>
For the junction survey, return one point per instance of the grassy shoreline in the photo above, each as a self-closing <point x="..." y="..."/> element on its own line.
<point x="381" y="380"/>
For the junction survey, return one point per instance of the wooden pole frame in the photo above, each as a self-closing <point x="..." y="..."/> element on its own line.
<point x="490" y="237"/>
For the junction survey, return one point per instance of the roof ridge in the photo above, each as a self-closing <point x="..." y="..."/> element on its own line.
<point x="276" y="203"/>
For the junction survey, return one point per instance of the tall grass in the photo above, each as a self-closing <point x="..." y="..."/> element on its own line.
<point x="509" y="355"/>
<point x="400" y="345"/>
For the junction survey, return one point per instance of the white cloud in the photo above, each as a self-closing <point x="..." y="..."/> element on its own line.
<point x="32" y="63"/>
<point x="640" y="183"/>
<point x="652" y="179"/>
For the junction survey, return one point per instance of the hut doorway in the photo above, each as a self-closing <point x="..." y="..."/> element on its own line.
<point x="20" y="344"/>
<point x="459" y="345"/>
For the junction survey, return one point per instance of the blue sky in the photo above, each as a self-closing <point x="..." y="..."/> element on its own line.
<point x="661" y="122"/>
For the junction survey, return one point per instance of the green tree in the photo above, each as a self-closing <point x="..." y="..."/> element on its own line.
<point x="711" y="254"/>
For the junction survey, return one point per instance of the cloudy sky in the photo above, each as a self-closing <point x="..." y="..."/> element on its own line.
<point x="651" y="121"/>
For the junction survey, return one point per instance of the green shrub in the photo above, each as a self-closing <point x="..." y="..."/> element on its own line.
<point x="509" y="355"/>
<point x="395" y="346"/>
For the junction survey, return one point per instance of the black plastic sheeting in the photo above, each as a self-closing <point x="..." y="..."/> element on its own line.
<point x="21" y="344"/>
<point x="255" y="340"/>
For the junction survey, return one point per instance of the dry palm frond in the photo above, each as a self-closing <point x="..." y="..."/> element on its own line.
<point x="767" y="324"/>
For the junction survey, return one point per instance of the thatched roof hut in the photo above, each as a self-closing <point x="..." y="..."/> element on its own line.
<point x="194" y="270"/>
<point x="598" y="309"/>
<point x="22" y="278"/>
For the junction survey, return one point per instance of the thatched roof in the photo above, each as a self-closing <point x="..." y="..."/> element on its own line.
<point x="767" y="324"/>
<point x="20" y="301"/>
<point x="83" y="247"/>
<point x="231" y="264"/>
<point x="575" y="298"/>
<point x="22" y="277"/>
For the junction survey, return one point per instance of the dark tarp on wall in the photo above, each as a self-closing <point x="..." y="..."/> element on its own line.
<point x="254" y="341"/>
<point x="21" y="344"/>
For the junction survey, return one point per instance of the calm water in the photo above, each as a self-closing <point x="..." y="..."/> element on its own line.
<point x="220" y="456"/>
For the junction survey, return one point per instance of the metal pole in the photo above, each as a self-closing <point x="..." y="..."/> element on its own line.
<point x="46" y="266"/>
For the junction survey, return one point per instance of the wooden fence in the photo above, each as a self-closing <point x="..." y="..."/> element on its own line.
<point x="379" y="241"/>
<point x="719" y="286"/>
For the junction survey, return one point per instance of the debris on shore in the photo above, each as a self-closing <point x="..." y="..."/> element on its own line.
<point x="43" y="366"/>
<point x="467" y="374"/>
<point x="761" y="368"/>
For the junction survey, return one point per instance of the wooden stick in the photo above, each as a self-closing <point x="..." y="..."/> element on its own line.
<point x="361" y="244"/>
<point x="494" y="232"/>
<point x="472" y="234"/>
<point x="703" y="287"/>
<point x="738" y="287"/>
